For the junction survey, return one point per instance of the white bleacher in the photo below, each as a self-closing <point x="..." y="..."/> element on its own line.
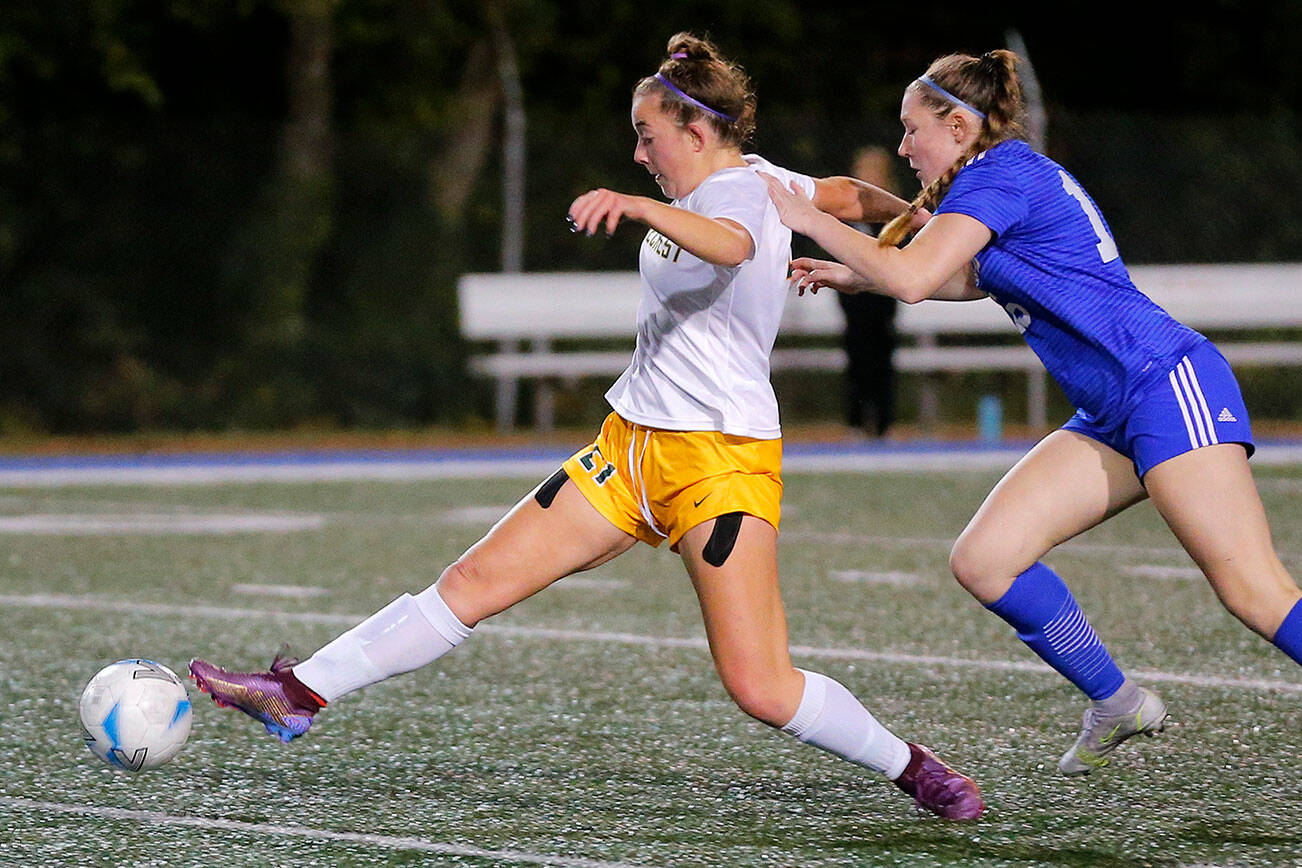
<point x="519" y="318"/>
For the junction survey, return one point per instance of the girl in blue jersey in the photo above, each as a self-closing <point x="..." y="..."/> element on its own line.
<point x="1159" y="414"/>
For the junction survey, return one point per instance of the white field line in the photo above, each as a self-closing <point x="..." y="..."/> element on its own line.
<point x="289" y="591"/>
<point x="924" y="661"/>
<point x="893" y="578"/>
<point x="584" y="583"/>
<point x="387" y="842"/>
<point x="943" y="459"/>
<point x="1286" y="485"/>
<point x="1073" y="546"/>
<point x="147" y="524"/>
<point x="485" y="515"/>
<point x="183" y="521"/>
<point x="1157" y="571"/>
<point x="914" y="542"/>
<point x="336" y="471"/>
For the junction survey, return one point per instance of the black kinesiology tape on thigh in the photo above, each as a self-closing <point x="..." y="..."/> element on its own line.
<point x="546" y="492"/>
<point x="722" y="539"/>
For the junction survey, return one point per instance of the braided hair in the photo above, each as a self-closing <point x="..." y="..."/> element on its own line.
<point x="988" y="83"/>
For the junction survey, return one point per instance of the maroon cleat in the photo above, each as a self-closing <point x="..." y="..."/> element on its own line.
<point x="938" y="788"/>
<point x="275" y="698"/>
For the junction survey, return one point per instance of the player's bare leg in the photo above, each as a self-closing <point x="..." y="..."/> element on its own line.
<point x="732" y="562"/>
<point x="745" y="622"/>
<point x="1064" y="486"/>
<point x="1210" y="501"/>
<point x="531" y="547"/>
<point x="528" y="549"/>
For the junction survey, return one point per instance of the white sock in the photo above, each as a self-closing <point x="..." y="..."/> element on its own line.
<point x="829" y="717"/>
<point x="405" y="635"/>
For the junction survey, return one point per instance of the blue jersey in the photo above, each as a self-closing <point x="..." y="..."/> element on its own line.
<point x="1053" y="266"/>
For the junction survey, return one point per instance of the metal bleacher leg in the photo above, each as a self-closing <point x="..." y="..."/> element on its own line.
<point x="928" y="404"/>
<point x="507" y="387"/>
<point x="1037" y="414"/>
<point x="544" y="394"/>
<point x="544" y="410"/>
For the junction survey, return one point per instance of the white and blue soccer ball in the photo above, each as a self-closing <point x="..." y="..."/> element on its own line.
<point x="135" y="714"/>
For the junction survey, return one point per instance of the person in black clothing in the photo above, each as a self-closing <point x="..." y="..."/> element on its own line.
<point x="869" y="336"/>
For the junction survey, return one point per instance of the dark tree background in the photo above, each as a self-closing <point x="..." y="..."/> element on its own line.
<point x="223" y="214"/>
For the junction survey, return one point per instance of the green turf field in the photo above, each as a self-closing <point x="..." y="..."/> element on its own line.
<point x="586" y="727"/>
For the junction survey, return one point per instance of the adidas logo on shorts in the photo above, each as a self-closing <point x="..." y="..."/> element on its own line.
<point x="1226" y="416"/>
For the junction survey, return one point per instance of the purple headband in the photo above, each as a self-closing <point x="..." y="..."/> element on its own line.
<point x="693" y="100"/>
<point x="927" y="80"/>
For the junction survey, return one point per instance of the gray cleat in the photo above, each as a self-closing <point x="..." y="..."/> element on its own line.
<point x="1101" y="734"/>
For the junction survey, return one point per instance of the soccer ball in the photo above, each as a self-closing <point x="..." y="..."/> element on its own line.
<point x="135" y="714"/>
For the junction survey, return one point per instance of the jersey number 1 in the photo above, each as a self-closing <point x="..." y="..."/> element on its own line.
<point x="1107" y="247"/>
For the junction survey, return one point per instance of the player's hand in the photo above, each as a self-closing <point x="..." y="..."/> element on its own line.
<point x="814" y="274"/>
<point x="794" y="208"/>
<point x="920" y="218"/>
<point x="600" y="208"/>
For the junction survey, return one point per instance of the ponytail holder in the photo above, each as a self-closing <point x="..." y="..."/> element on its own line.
<point x="678" y="55"/>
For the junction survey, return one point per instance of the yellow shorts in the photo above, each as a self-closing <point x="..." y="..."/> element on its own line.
<point x="656" y="484"/>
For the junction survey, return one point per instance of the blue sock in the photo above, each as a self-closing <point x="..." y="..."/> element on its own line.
<point x="1288" y="638"/>
<point x="1045" y="615"/>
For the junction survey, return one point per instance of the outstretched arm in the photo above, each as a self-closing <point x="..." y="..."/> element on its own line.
<point x="856" y="201"/>
<point x="936" y="263"/>
<point x="812" y="274"/>
<point x="719" y="242"/>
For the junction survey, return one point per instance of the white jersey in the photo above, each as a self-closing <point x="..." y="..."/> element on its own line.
<point x="704" y="332"/>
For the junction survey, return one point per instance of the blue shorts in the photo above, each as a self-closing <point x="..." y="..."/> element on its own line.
<point x="1197" y="404"/>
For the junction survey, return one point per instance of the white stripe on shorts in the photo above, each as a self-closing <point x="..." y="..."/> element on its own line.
<point x="1193" y="406"/>
<point x="1192" y="402"/>
<point x="1202" y="401"/>
<point x="1184" y="410"/>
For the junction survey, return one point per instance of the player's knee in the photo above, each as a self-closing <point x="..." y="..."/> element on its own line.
<point x="466" y="588"/>
<point x="761" y="697"/>
<point x="1246" y="608"/>
<point x="1257" y="604"/>
<point x="979" y="566"/>
<point x="762" y="704"/>
<point x="459" y="575"/>
<point x="966" y="562"/>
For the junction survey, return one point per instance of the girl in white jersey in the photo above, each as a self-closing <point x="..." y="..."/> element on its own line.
<point x="692" y="453"/>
